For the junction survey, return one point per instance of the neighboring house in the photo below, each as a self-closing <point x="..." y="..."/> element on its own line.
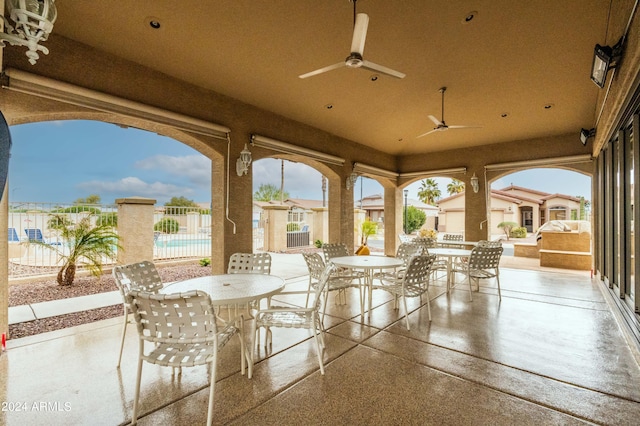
<point x="299" y="209"/>
<point x="373" y="205"/>
<point x="528" y="208"/>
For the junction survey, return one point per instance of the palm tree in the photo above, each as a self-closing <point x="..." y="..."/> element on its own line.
<point x="455" y="187"/>
<point x="429" y="192"/>
<point x="87" y="244"/>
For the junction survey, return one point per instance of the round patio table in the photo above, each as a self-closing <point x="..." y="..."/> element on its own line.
<point x="367" y="264"/>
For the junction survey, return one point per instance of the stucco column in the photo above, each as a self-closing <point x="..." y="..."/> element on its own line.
<point x="193" y="222"/>
<point x="275" y="235"/>
<point x="320" y="227"/>
<point x="358" y="219"/>
<point x="476" y="222"/>
<point x="392" y="219"/>
<point x="4" y="263"/>
<point x="135" y="227"/>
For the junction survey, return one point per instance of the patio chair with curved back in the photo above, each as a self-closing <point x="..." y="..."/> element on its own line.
<point x="331" y="250"/>
<point x="336" y="282"/>
<point x="439" y="264"/>
<point x="142" y="276"/>
<point x="451" y="237"/>
<point x="413" y="283"/>
<point x="492" y="243"/>
<point x="183" y="328"/>
<point x="483" y="263"/>
<point x="294" y="317"/>
<point x="405" y="252"/>
<point x="249" y="263"/>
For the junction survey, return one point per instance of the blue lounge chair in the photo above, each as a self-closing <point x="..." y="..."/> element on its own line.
<point x="34" y="235"/>
<point x="13" y="236"/>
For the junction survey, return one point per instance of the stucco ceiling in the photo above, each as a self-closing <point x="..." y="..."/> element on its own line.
<point x="513" y="58"/>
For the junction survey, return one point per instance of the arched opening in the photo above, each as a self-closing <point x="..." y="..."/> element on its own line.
<point x="60" y="163"/>
<point x="526" y="204"/>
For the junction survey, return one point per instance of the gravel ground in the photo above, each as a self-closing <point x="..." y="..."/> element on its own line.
<point x="48" y="289"/>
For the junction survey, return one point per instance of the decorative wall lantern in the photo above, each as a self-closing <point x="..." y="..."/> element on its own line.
<point x="243" y="163"/>
<point x="33" y="23"/>
<point x="474" y="183"/>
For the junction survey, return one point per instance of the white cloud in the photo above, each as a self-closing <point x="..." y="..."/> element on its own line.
<point x="133" y="186"/>
<point x="197" y="168"/>
<point x="300" y="180"/>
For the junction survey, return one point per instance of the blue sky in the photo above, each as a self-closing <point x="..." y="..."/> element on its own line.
<point x="62" y="161"/>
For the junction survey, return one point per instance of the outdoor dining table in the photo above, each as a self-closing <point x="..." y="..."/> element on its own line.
<point x="450" y="243"/>
<point x="231" y="289"/>
<point x="367" y="264"/>
<point x="449" y="254"/>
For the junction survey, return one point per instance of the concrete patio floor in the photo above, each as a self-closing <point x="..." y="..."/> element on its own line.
<point x="550" y="353"/>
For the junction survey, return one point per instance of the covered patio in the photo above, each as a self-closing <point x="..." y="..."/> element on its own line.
<point x="541" y="356"/>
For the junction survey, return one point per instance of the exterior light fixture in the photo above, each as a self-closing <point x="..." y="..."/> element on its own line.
<point x="243" y="163"/>
<point x="474" y="183"/>
<point x="34" y="22"/>
<point x="351" y="180"/>
<point x="586" y="134"/>
<point x="604" y="58"/>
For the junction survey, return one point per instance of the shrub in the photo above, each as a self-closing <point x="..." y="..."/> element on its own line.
<point x="318" y="243"/>
<point x="167" y="225"/>
<point x="292" y="227"/>
<point x="205" y="261"/>
<point x="519" y="232"/>
<point x="507" y="227"/>
<point x="108" y="219"/>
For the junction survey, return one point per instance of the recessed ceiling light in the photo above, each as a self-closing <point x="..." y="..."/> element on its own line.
<point x="504" y="115"/>
<point x="153" y="22"/>
<point x="400" y="140"/>
<point x="329" y="106"/>
<point x="374" y="77"/>
<point x="469" y="17"/>
<point x="548" y="106"/>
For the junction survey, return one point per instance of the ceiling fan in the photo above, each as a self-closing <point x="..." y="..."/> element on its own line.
<point x="441" y="126"/>
<point x="355" y="59"/>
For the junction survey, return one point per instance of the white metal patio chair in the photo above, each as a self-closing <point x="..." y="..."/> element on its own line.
<point x="249" y="263"/>
<point x="405" y="252"/>
<point x="141" y="276"/>
<point x="316" y="267"/>
<point x="483" y="263"/>
<point x="293" y="317"/>
<point x="451" y="237"/>
<point x="331" y="250"/>
<point x="413" y="283"/>
<point x="183" y="329"/>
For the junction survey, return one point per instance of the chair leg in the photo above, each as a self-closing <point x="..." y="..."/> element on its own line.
<point x="319" y="348"/>
<point x="406" y="311"/>
<point x="124" y="332"/>
<point x="253" y="344"/>
<point x="212" y="387"/>
<point x="136" y="395"/>
<point x="470" y="295"/>
<point x="498" y="281"/>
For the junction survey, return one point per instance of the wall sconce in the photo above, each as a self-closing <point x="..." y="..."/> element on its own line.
<point x="474" y="183"/>
<point x="34" y="22"/>
<point x="351" y="180"/>
<point x="604" y="58"/>
<point x="243" y="163"/>
<point x="586" y="134"/>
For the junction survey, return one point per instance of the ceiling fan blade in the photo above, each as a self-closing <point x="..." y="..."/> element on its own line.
<point x="425" y="134"/>
<point x="435" y="121"/>
<point x="382" y="69"/>
<point x="359" y="33"/>
<point x="321" y="70"/>
<point x="464" y="127"/>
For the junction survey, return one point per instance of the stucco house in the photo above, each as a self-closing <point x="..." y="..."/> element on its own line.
<point x="373" y="205"/>
<point x="528" y="208"/>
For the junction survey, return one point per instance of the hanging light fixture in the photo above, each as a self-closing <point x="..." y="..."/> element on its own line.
<point x="34" y="21"/>
<point x="243" y="163"/>
<point x="351" y="180"/>
<point x="474" y="183"/>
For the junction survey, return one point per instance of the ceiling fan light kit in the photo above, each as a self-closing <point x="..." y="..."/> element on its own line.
<point x="356" y="58"/>
<point x="441" y="126"/>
